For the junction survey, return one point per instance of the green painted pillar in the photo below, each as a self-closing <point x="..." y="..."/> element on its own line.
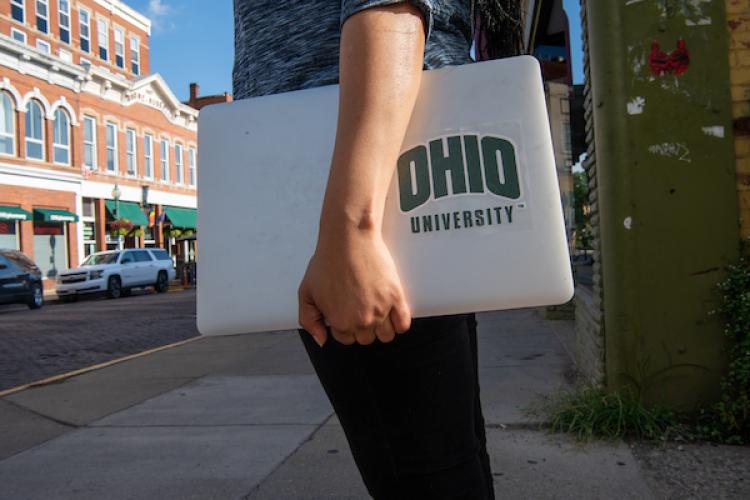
<point x="666" y="191"/>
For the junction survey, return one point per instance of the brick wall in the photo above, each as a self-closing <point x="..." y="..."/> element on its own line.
<point x="96" y="11"/>
<point x="589" y="301"/>
<point x="141" y="118"/>
<point x="738" y="25"/>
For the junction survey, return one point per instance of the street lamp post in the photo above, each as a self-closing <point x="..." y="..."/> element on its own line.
<point x="116" y="193"/>
<point x="147" y="211"/>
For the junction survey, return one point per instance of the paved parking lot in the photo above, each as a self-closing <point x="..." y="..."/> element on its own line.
<point x="61" y="337"/>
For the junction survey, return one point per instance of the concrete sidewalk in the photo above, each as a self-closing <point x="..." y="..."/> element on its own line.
<point x="245" y="417"/>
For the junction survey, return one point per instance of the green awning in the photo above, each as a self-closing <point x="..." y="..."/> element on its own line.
<point x="182" y="217"/>
<point x="14" y="213"/>
<point x="128" y="210"/>
<point x="53" y="215"/>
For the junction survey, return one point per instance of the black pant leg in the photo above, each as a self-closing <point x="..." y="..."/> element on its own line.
<point x="479" y="423"/>
<point x="408" y="409"/>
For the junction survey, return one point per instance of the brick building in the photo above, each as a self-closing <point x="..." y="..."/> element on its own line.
<point x="80" y="114"/>
<point x="548" y="39"/>
<point x="738" y="26"/>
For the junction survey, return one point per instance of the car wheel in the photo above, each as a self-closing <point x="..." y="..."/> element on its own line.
<point x="37" y="296"/>
<point x="162" y="283"/>
<point x="114" y="287"/>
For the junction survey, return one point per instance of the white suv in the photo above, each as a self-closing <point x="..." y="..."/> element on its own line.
<point x="117" y="272"/>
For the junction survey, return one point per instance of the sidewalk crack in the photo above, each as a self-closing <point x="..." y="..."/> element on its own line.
<point x="42" y="415"/>
<point x="254" y="490"/>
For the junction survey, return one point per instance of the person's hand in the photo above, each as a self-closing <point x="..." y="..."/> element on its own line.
<point x="352" y="285"/>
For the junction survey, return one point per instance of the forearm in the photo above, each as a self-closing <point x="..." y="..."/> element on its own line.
<point x="380" y="70"/>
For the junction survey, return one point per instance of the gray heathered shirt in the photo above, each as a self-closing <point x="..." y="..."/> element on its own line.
<point x="284" y="45"/>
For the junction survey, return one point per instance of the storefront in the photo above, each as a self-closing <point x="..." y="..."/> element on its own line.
<point x="10" y="234"/>
<point x="179" y="233"/>
<point x="108" y="223"/>
<point x="51" y="242"/>
<point x="126" y="220"/>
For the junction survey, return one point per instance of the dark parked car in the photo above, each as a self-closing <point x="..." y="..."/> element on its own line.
<point x="20" y="280"/>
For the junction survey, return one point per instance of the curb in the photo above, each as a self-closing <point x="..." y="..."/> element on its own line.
<point x="59" y="378"/>
<point x="53" y="298"/>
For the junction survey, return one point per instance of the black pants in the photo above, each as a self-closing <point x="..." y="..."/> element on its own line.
<point x="410" y="409"/>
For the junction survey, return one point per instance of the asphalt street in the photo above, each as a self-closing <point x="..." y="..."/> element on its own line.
<point x="61" y="337"/>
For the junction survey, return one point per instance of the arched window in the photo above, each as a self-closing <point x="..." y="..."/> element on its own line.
<point x="61" y="139"/>
<point x="34" y="131"/>
<point x="7" y="125"/>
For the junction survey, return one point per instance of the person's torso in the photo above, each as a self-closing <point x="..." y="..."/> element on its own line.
<point x="284" y="45"/>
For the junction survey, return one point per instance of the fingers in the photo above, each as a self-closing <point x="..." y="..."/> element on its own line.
<point x="365" y="337"/>
<point x="311" y="319"/>
<point x="401" y="316"/>
<point x="343" y="337"/>
<point x="385" y="332"/>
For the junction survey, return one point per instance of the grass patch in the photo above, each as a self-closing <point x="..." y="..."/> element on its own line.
<point x="592" y="413"/>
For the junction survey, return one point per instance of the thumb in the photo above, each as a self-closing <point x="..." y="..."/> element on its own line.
<point x="401" y="316"/>
<point x="311" y="319"/>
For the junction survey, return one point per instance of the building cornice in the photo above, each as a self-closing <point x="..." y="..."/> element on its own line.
<point x="40" y="173"/>
<point x="26" y="54"/>
<point x="127" y="13"/>
<point x="95" y="80"/>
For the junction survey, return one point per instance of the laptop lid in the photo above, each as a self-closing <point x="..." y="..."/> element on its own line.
<point x="473" y="216"/>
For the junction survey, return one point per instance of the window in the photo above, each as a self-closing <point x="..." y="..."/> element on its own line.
<point x="148" y="156"/>
<point x="142" y="256"/>
<point x="191" y="166"/>
<point x="130" y="150"/>
<point x="84" y="23"/>
<point x="102" y="37"/>
<point x="160" y="254"/>
<point x="43" y="46"/>
<point x="178" y="162"/>
<point x="7" y="125"/>
<point x="66" y="56"/>
<point x="89" y="226"/>
<point x="89" y="142"/>
<point x="89" y="238"/>
<point x="9" y="234"/>
<point x="42" y="18"/>
<point x="17" y="10"/>
<point x="164" y="160"/>
<point x="64" y="13"/>
<point x="61" y="137"/>
<point x="50" y="247"/>
<point x="119" y="47"/>
<point x="18" y="35"/>
<point x="34" y="131"/>
<point x="135" y="55"/>
<point x="111" y="147"/>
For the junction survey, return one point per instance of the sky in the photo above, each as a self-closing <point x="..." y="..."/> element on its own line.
<point x="190" y="43"/>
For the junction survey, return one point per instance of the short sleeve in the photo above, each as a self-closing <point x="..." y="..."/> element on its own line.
<point x="351" y="7"/>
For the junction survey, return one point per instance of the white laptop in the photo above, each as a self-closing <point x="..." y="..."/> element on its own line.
<point x="473" y="216"/>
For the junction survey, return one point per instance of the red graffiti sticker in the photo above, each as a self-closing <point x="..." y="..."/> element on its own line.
<point x="676" y="63"/>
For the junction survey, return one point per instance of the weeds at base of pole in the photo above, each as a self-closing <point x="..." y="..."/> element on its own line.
<point x="592" y="413"/>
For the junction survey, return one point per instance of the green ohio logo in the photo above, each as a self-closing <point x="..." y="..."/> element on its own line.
<point x="422" y="173"/>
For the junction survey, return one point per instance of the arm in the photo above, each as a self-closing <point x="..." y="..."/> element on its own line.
<point x="351" y="282"/>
